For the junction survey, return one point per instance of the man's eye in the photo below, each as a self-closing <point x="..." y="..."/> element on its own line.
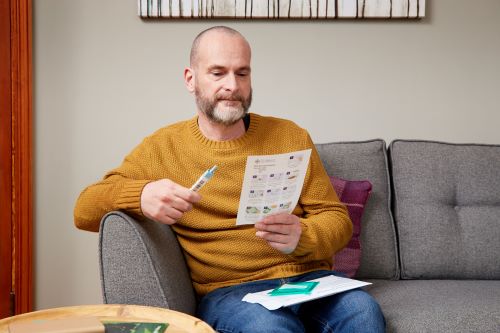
<point x="216" y="73"/>
<point x="242" y="73"/>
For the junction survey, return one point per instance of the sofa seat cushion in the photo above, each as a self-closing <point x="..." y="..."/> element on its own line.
<point x="439" y="305"/>
<point x="447" y="209"/>
<point x="367" y="160"/>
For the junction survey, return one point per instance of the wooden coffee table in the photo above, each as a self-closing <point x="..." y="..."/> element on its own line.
<point x="178" y="322"/>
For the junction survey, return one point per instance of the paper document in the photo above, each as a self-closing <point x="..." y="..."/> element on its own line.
<point x="328" y="285"/>
<point x="272" y="184"/>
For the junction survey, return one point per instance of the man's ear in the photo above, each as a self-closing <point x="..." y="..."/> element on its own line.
<point x="189" y="79"/>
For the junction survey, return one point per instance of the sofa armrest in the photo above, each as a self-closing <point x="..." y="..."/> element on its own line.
<point x="142" y="263"/>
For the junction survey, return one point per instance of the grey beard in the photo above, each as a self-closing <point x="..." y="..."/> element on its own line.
<point x="209" y="108"/>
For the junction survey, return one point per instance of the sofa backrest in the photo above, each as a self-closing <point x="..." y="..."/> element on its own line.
<point x="367" y="160"/>
<point x="447" y="209"/>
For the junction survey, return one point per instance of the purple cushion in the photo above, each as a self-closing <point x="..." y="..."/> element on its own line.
<point x="353" y="194"/>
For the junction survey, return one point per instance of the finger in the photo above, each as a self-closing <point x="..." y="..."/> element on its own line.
<point x="176" y="190"/>
<point x="274" y="228"/>
<point x="278" y="242"/>
<point x="160" y="215"/>
<point x="281" y="223"/>
<point x="165" y="220"/>
<point x="283" y="248"/>
<point x="282" y="218"/>
<point x="187" y="194"/>
<point x="273" y="237"/>
<point x="180" y="204"/>
<point x="172" y="213"/>
<point x="165" y="214"/>
<point x="180" y="198"/>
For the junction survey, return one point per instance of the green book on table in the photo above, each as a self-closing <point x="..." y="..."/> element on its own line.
<point x="134" y="327"/>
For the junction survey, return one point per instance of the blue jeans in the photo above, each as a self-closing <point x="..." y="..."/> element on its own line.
<point x="350" y="311"/>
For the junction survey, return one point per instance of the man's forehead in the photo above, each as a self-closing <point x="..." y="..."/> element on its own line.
<point x="221" y="40"/>
<point x="220" y="52"/>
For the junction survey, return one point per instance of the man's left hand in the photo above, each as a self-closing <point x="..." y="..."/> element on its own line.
<point x="280" y="231"/>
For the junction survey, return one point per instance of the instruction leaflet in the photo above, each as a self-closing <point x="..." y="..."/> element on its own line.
<point x="272" y="184"/>
<point x="327" y="286"/>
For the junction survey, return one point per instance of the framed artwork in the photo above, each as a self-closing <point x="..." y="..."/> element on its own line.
<point x="281" y="9"/>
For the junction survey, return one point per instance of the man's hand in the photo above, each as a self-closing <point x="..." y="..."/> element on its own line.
<point x="165" y="201"/>
<point x="280" y="231"/>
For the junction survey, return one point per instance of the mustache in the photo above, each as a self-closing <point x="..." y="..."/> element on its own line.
<point x="232" y="97"/>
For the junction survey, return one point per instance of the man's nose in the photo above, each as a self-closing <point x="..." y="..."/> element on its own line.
<point x="231" y="82"/>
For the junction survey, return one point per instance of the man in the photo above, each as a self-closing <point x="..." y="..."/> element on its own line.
<point x="227" y="261"/>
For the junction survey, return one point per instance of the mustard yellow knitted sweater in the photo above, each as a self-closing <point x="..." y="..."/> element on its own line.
<point x="218" y="252"/>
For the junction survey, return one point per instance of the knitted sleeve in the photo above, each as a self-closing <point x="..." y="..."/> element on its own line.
<point x="326" y="226"/>
<point x="120" y="189"/>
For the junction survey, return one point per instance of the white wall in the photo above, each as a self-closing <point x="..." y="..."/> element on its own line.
<point x="104" y="79"/>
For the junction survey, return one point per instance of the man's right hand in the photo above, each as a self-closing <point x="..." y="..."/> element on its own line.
<point x="165" y="201"/>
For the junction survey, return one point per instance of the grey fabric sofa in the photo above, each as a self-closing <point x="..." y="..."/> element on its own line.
<point x="430" y="238"/>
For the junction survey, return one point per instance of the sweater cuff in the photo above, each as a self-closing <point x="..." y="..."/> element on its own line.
<point x="306" y="242"/>
<point x="130" y="196"/>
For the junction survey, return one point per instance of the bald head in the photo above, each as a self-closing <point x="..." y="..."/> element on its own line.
<point x="194" y="55"/>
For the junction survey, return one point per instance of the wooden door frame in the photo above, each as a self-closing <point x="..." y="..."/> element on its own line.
<point x="17" y="206"/>
<point x="6" y="162"/>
